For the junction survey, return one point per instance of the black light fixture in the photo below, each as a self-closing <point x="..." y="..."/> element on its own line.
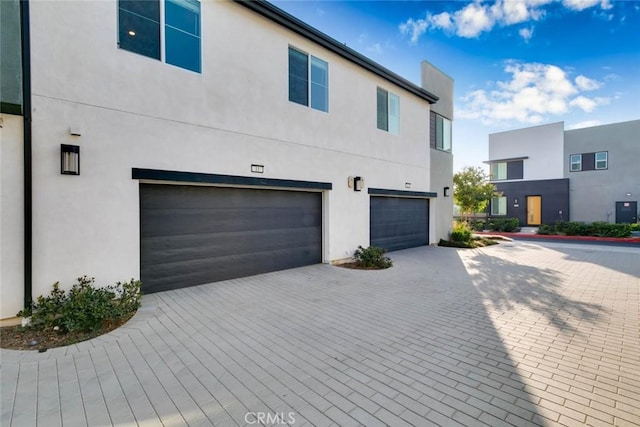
<point x="358" y="183"/>
<point x="69" y="159"/>
<point x="446" y="191"/>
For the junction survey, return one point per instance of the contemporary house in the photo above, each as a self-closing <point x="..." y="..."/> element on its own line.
<point x="184" y="142"/>
<point x="547" y="174"/>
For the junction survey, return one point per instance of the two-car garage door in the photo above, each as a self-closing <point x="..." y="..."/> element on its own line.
<point x="191" y="235"/>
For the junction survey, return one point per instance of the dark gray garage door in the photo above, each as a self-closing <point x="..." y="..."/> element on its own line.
<point x="399" y="223"/>
<point x="192" y="235"/>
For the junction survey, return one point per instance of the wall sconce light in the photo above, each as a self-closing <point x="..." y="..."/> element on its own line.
<point x="69" y="159"/>
<point x="407" y="185"/>
<point x="358" y="183"/>
<point x="257" y="168"/>
<point x="628" y="194"/>
<point x="446" y="192"/>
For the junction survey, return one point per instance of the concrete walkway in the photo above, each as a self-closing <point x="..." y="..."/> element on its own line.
<point x="516" y="334"/>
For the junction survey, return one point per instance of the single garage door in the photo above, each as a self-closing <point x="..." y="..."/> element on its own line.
<point x="398" y="223"/>
<point x="191" y="235"/>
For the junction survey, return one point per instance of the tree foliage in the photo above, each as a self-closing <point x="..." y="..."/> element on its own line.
<point x="472" y="190"/>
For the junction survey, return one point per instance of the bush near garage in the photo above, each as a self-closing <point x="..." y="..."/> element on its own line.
<point x="372" y="257"/>
<point x="85" y="307"/>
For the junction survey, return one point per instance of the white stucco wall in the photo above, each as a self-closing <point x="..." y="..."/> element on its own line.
<point x="137" y="112"/>
<point x="543" y="145"/>
<point x="11" y="215"/>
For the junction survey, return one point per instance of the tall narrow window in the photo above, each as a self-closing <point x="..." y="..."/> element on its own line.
<point x="388" y="111"/>
<point x="443" y="133"/>
<point x="576" y="162"/>
<point x="601" y="160"/>
<point x="383" y="109"/>
<point x="182" y="33"/>
<point x="319" y="84"/>
<point x="139" y="27"/>
<point x="308" y="80"/>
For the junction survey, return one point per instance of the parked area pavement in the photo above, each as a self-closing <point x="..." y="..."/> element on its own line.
<point x="517" y="334"/>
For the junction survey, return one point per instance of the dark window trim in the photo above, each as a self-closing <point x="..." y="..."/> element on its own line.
<point x="282" y="18"/>
<point x="402" y="193"/>
<point x="10" y="108"/>
<point x="208" y="178"/>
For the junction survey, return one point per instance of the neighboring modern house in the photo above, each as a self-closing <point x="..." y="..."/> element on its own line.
<point x="184" y="142"/>
<point x="547" y="174"/>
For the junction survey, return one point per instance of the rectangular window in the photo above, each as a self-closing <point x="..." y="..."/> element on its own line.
<point x="602" y="160"/>
<point x="139" y="30"/>
<point x="443" y="133"/>
<point x="301" y="71"/>
<point x="182" y="33"/>
<point x="499" y="206"/>
<point x="388" y="111"/>
<point x="576" y="162"/>
<point x="498" y="171"/>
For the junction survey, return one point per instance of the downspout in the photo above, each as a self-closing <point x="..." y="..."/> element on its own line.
<point x="28" y="180"/>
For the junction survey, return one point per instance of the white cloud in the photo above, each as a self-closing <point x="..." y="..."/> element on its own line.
<point x="478" y="17"/>
<point x="585" y="83"/>
<point x="532" y="93"/>
<point x="375" y="48"/>
<point x="526" y="33"/>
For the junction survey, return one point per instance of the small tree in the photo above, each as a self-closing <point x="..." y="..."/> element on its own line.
<point x="472" y="190"/>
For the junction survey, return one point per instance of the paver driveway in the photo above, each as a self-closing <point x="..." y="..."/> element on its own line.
<point x="514" y="334"/>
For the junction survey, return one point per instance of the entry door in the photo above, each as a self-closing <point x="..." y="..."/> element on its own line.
<point x="534" y="204"/>
<point x="626" y="212"/>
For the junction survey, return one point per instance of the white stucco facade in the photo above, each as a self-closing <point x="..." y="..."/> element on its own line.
<point x="540" y="147"/>
<point x="135" y="112"/>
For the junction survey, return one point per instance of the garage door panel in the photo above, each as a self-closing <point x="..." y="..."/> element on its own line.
<point x="399" y="223"/>
<point x="174" y="248"/>
<point x="193" y="235"/>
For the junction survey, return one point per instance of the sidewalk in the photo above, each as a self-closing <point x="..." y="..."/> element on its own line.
<point x="531" y="233"/>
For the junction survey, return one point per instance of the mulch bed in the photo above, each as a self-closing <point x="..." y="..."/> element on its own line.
<point x="357" y="266"/>
<point x="19" y="338"/>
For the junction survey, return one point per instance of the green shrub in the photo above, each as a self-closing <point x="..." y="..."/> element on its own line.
<point x="507" y="225"/>
<point x="372" y="257"/>
<point x="546" y="229"/>
<point x="574" y="228"/>
<point x="477" y="225"/>
<point x="84" y="308"/>
<point x="461" y="232"/>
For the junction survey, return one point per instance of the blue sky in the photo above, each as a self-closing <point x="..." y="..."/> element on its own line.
<point x="516" y="63"/>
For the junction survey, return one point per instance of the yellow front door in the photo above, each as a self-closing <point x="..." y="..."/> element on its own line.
<point x="533" y="210"/>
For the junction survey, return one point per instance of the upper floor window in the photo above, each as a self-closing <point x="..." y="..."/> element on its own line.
<point x="388" y="111"/>
<point x="140" y="30"/>
<point x="498" y="171"/>
<point x="302" y="69"/>
<point x="602" y="160"/>
<point x="443" y="133"/>
<point x="576" y="162"/>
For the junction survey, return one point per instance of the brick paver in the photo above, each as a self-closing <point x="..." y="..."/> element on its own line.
<point x="515" y="334"/>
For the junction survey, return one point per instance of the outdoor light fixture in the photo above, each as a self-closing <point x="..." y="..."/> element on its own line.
<point x="358" y="183"/>
<point x="257" y="168"/>
<point x="446" y="192"/>
<point x="69" y="159"/>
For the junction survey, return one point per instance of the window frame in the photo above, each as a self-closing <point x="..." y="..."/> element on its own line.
<point x="496" y="176"/>
<point x="160" y="34"/>
<point x="387" y="113"/>
<point x="312" y="61"/>
<point x="606" y="160"/>
<point x="572" y="162"/>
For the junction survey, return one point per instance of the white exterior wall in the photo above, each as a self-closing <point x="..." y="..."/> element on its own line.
<point x="543" y="145"/>
<point x="11" y="215"/>
<point x="134" y="111"/>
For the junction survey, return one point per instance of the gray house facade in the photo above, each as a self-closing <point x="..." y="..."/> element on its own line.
<point x="547" y="174"/>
